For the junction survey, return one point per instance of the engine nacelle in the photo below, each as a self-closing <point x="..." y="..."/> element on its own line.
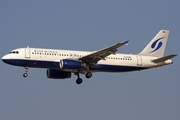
<point x="57" y="74"/>
<point x="71" y="64"/>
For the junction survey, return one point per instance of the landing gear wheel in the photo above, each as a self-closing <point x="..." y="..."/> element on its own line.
<point x="79" y="81"/>
<point x="25" y="75"/>
<point x="88" y="74"/>
<point x="26" y="70"/>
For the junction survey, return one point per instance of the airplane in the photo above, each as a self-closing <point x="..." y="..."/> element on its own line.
<point x="60" y="64"/>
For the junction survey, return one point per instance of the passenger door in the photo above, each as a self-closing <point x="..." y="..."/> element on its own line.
<point x="139" y="60"/>
<point x="27" y="52"/>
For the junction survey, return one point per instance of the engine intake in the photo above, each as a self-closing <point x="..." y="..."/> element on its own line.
<point x="71" y="64"/>
<point x="57" y="74"/>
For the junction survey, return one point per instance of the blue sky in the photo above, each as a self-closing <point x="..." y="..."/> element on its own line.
<point x="89" y="25"/>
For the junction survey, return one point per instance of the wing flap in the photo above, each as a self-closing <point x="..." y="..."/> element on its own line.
<point x="101" y="54"/>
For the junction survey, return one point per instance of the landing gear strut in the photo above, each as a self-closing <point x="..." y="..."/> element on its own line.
<point x="88" y="74"/>
<point x="79" y="80"/>
<point x="26" y="70"/>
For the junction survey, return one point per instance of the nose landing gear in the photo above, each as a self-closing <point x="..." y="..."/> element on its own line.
<point x="26" y="70"/>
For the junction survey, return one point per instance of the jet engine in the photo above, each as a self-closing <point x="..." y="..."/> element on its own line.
<point x="71" y="64"/>
<point x="57" y="74"/>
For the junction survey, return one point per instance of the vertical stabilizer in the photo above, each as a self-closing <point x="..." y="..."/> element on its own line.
<point x="157" y="45"/>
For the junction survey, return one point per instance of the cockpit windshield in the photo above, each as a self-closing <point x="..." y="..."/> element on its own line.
<point x="14" y="52"/>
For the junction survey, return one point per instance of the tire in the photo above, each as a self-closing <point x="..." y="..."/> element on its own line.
<point x="25" y="75"/>
<point x="88" y="75"/>
<point x="79" y="81"/>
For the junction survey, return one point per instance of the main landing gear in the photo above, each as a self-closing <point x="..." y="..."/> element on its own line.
<point x="88" y="75"/>
<point x="26" y="70"/>
<point x="79" y="80"/>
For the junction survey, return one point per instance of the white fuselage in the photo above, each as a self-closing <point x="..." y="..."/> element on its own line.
<point x="50" y="58"/>
<point x="61" y="63"/>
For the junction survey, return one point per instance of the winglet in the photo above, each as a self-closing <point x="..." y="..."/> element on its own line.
<point x="126" y="42"/>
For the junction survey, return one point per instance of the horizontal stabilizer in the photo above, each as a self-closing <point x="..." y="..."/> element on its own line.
<point x="162" y="59"/>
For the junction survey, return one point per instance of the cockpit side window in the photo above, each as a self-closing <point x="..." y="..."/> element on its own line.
<point x="11" y="52"/>
<point x="14" y="52"/>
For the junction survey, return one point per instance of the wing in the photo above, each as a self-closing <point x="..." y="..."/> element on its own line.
<point x="94" y="57"/>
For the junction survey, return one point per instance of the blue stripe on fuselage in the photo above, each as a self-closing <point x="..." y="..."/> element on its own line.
<point x="51" y="64"/>
<point x="115" y="68"/>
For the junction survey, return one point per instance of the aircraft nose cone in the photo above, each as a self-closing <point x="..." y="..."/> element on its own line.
<point x="8" y="60"/>
<point x="5" y="58"/>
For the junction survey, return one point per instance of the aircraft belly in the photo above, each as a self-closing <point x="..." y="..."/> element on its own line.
<point x="55" y="64"/>
<point x="33" y="63"/>
<point x="116" y="68"/>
